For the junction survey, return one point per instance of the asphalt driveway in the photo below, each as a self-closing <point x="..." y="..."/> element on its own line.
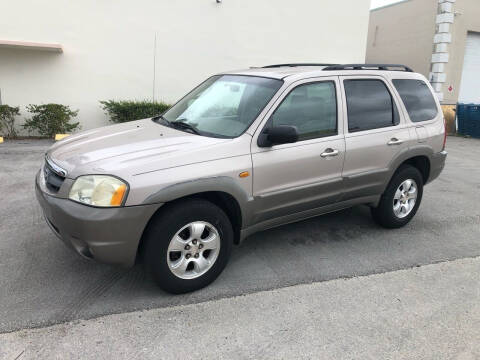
<point x="42" y="282"/>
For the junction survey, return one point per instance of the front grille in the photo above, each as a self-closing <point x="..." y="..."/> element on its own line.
<point x="53" y="180"/>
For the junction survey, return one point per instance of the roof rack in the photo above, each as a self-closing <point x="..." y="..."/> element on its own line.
<point x="388" y="67"/>
<point x="295" y="65"/>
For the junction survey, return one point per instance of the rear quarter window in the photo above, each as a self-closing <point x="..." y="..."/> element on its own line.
<point x="418" y="99"/>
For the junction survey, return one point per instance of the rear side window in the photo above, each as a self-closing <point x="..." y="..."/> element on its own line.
<point x="370" y="105"/>
<point x="417" y="98"/>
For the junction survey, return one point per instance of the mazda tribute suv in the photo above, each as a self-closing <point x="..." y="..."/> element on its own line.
<point x="242" y="152"/>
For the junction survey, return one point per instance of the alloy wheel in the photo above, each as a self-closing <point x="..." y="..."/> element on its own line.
<point x="193" y="250"/>
<point x="405" y="198"/>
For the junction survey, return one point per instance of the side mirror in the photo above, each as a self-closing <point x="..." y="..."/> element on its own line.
<point x="281" y="134"/>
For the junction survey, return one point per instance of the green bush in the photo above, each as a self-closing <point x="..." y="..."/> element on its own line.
<point x="128" y="110"/>
<point x="51" y="119"/>
<point x="7" y="120"/>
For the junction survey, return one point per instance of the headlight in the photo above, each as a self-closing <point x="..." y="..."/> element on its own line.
<point x="98" y="190"/>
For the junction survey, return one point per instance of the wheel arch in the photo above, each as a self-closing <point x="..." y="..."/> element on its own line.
<point x="418" y="157"/>
<point x="422" y="163"/>
<point x="221" y="191"/>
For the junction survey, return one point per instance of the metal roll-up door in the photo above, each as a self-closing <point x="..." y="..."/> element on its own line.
<point x="470" y="85"/>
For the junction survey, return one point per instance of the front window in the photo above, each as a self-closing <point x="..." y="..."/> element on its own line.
<point x="312" y="108"/>
<point x="224" y="105"/>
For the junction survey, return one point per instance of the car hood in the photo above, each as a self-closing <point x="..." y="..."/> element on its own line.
<point x="132" y="148"/>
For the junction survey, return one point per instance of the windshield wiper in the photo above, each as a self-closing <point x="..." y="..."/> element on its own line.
<point x="183" y="125"/>
<point x="177" y="124"/>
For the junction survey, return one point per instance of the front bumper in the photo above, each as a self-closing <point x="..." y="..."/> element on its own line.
<point x="108" y="235"/>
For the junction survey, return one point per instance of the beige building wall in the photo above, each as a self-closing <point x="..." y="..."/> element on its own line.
<point x="467" y="18"/>
<point x="403" y="33"/>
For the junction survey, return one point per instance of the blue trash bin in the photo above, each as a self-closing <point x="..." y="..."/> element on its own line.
<point x="468" y="119"/>
<point x="461" y="118"/>
<point x="473" y="121"/>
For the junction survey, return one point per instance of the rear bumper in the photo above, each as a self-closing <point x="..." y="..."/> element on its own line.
<point x="437" y="163"/>
<point x="108" y="235"/>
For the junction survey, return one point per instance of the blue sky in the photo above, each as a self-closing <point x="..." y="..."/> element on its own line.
<point x="378" y="3"/>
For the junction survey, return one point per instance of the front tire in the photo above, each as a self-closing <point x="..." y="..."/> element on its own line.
<point x="400" y="201"/>
<point x="187" y="245"/>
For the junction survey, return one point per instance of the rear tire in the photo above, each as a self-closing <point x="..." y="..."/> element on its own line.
<point x="187" y="245"/>
<point x="400" y="201"/>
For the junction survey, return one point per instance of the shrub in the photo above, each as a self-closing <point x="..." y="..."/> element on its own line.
<point x="51" y="119"/>
<point x="7" y="120"/>
<point x="128" y="110"/>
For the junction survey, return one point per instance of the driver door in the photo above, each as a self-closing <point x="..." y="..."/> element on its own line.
<point x="307" y="174"/>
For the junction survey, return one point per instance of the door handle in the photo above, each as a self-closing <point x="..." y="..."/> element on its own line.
<point x="395" y="141"/>
<point x="329" y="152"/>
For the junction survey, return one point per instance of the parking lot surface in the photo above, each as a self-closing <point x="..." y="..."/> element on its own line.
<point x="426" y="312"/>
<point x="42" y="282"/>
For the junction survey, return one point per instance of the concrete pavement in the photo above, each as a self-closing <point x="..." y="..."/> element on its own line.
<point x="429" y="312"/>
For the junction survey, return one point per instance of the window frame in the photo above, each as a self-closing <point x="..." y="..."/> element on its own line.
<point x="393" y="96"/>
<point x="407" y="114"/>
<point x="269" y="120"/>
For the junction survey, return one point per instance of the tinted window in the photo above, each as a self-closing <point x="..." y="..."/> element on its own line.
<point x="417" y="98"/>
<point x="369" y="105"/>
<point x="312" y="108"/>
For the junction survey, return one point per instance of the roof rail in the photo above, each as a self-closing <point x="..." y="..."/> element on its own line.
<point x="295" y="65"/>
<point x="389" y="67"/>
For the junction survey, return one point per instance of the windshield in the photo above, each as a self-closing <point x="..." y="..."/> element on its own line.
<point x="224" y="105"/>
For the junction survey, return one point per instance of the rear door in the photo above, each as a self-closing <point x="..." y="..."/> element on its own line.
<point x="291" y="178"/>
<point x="375" y="133"/>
